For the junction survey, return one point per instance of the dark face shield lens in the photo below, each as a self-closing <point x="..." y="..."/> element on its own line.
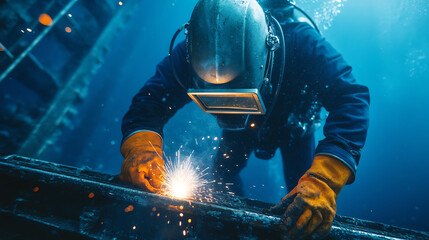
<point x="221" y="102"/>
<point x="245" y="101"/>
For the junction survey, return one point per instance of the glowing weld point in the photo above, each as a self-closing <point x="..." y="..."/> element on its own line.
<point x="182" y="179"/>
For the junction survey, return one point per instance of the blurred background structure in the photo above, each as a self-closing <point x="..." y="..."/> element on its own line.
<point x="67" y="78"/>
<point x="49" y="51"/>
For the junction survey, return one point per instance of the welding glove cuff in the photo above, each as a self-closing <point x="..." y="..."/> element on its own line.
<point x="309" y="209"/>
<point x="143" y="165"/>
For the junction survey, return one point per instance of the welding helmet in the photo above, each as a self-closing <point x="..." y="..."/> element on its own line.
<point x="230" y="46"/>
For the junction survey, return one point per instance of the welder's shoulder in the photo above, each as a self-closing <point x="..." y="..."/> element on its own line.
<point x="300" y="32"/>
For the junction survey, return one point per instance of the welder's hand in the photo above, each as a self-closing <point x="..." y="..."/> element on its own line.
<point x="309" y="209"/>
<point x="143" y="165"/>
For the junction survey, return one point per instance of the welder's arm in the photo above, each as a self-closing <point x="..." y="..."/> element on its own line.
<point x="346" y="101"/>
<point x="310" y="207"/>
<point x="160" y="97"/>
<point x="142" y="125"/>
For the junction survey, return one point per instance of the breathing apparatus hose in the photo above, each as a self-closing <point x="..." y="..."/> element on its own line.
<point x="291" y="2"/>
<point x="281" y="74"/>
<point x="170" y="57"/>
<point x="282" y="66"/>
<point x="282" y="62"/>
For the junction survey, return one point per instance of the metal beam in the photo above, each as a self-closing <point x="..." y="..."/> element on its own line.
<point x="97" y="206"/>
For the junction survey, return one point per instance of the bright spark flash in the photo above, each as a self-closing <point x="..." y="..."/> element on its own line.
<point x="182" y="179"/>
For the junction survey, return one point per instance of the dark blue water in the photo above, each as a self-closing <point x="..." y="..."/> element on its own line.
<point x="386" y="42"/>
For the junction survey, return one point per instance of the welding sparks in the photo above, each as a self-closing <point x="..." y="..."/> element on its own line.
<point x="182" y="179"/>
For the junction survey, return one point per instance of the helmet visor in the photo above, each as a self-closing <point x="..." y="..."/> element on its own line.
<point x="228" y="101"/>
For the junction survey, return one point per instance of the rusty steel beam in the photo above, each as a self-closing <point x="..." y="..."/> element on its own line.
<point x="58" y="201"/>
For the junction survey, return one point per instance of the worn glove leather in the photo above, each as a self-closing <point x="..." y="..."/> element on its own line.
<point x="143" y="165"/>
<point x="309" y="209"/>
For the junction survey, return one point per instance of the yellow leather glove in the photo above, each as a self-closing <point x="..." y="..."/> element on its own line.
<point x="143" y="165"/>
<point x="309" y="209"/>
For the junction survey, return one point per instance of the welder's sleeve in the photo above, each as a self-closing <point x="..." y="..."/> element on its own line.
<point x="160" y="97"/>
<point x="346" y="100"/>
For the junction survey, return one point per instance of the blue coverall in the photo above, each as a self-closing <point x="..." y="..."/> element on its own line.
<point x="315" y="73"/>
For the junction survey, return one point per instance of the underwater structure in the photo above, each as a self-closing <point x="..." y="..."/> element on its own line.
<point x="61" y="202"/>
<point x="39" y="88"/>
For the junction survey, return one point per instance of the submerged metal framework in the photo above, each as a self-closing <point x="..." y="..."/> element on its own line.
<point x="45" y="69"/>
<point x="42" y="199"/>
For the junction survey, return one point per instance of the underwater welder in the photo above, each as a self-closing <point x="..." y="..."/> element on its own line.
<point x="265" y="80"/>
